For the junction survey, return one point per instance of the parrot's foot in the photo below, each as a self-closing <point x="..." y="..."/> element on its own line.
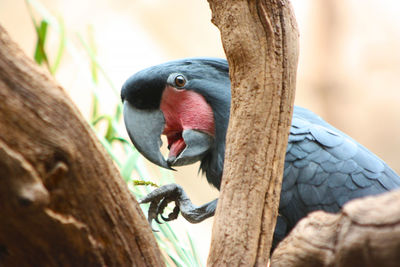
<point x="161" y="197"/>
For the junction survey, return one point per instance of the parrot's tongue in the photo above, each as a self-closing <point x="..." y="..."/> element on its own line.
<point x="176" y="148"/>
<point x="187" y="147"/>
<point x="176" y="144"/>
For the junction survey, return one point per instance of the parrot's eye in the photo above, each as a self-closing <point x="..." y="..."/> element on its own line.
<point x="180" y="81"/>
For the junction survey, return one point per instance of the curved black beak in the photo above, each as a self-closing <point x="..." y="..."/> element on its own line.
<point x="145" y="128"/>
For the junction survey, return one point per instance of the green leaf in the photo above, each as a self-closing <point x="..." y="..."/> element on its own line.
<point x="95" y="109"/>
<point x="178" y="246"/>
<point x="99" y="118"/>
<point x="141" y="182"/>
<point x="121" y="140"/>
<point x="93" y="50"/>
<point x="178" y="261"/>
<point x="129" y="166"/>
<point x="195" y="252"/>
<point x="94" y="60"/>
<point x="118" y="113"/>
<point x="108" y="147"/>
<point x="61" y="47"/>
<point x="40" y="53"/>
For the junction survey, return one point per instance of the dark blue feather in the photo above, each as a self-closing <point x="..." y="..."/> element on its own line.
<point x="325" y="137"/>
<point x="349" y="166"/>
<point x="307" y="173"/>
<point x="338" y="179"/>
<point x="361" y="180"/>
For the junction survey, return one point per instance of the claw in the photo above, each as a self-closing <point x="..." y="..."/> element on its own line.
<point x="159" y="200"/>
<point x="152" y="214"/>
<point x="156" y="219"/>
<point x="163" y="204"/>
<point x="173" y="215"/>
<point x="164" y="218"/>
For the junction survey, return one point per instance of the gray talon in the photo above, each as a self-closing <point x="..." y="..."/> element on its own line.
<point x="162" y="196"/>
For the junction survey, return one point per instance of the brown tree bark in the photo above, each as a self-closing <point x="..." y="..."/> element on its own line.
<point x="62" y="200"/>
<point x="365" y="233"/>
<point x="260" y="39"/>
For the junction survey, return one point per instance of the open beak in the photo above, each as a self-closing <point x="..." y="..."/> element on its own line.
<point x="197" y="145"/>
<point x="145" y="128"/>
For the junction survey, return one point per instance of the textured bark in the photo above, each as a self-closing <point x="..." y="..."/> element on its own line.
<point x="62" y="200"/>
<point x="365" y="233"/>
<point x="260" y="39"/>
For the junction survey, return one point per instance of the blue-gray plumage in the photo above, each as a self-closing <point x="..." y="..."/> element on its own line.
<point x="324" y="168"/>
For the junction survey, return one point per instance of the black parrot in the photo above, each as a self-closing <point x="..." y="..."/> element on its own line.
<point x="188" y="100"/>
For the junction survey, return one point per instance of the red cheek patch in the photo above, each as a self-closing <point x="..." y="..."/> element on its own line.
<point x="184" y="109"/>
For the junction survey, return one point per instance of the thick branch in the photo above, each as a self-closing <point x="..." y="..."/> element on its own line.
<point x="62" y="201"/>
<point x="260" y="39"/>
<point x="365" y="233"/>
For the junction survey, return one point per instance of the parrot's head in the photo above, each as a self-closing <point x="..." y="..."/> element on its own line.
<point x="186" y="100"/>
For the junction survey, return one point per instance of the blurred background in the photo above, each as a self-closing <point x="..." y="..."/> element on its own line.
<point x="349" y="68"/>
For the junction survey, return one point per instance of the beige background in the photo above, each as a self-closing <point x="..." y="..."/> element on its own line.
<point x="349" y="70"/>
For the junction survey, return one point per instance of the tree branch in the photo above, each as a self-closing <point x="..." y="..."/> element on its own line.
<point x="260" y="39"/>
<point x="62" y="201"/>
<point x="365" y="233"/>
